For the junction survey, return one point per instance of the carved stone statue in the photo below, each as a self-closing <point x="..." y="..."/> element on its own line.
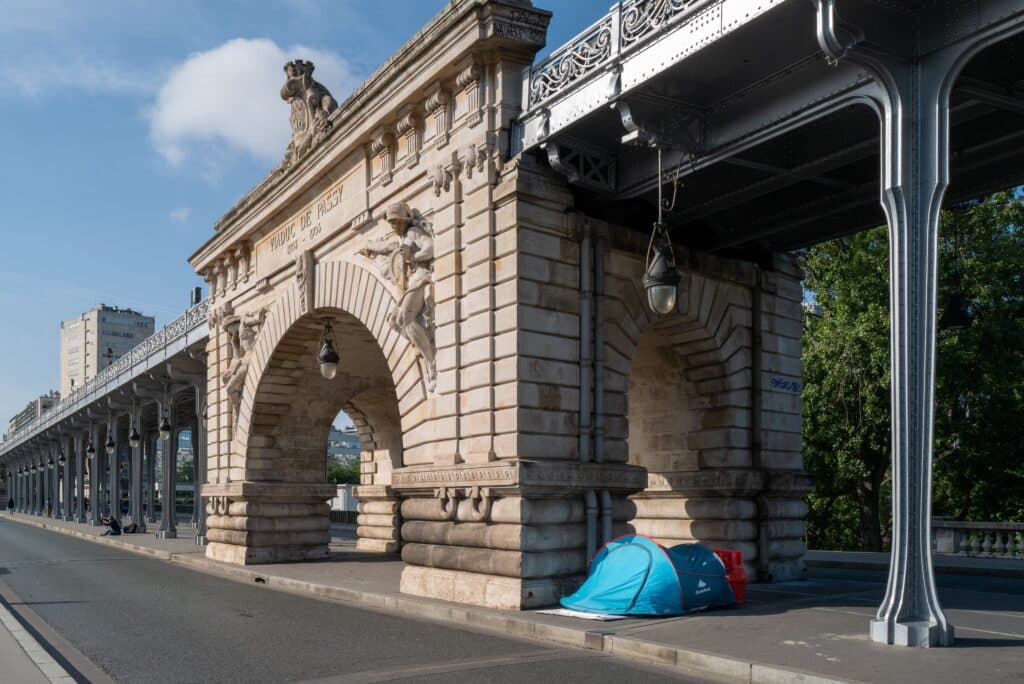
<point x="242" y="332"/>
<point x="311" y="105"/>
<point x="407" y="263"/>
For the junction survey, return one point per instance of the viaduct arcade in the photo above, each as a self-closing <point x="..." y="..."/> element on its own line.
<point x="454" y="257"/>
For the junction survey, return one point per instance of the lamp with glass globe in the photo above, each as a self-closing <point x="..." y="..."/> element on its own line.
<point x="661" y="277"/>
<point x="328" y="357"/>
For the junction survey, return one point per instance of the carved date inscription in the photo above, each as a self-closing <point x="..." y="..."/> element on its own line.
<point x="313" y="223"/>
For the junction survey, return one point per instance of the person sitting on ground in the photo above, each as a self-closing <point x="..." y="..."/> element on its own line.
<point x="115" y="526"/>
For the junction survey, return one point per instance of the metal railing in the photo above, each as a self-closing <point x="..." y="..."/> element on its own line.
<point x="979" y="539"/>
<point x="627" y="26"/>
<point x="155" y="344"/>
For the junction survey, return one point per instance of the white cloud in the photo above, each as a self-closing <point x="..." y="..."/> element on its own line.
<point x="228" y="96"/>
<point x="39" y="77"/>
<point x="180" y="215"/>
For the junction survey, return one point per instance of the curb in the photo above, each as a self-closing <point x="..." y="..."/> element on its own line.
<point x="1014" y="571"/>
<point x="681" y="659"/>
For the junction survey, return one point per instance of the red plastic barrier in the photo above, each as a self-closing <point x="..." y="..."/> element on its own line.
<point x="734" y="572"/>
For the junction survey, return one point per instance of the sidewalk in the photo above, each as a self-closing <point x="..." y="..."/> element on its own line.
<point x="22" y="659"/>
<point x="813" y="631"/>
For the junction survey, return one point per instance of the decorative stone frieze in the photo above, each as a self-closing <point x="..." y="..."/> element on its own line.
<point x="473" y="158"/>
<point x="469" y="81"/>
<point x="439" y="110"/>
<point x="409" y="128"/>
<point x="382" y="149"/>
<point x="441" y="179"/>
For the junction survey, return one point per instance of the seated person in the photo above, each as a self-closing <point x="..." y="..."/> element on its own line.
<point x="114" y="524"/>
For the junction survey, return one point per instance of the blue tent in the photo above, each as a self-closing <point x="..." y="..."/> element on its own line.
<point x="634" y="575"/>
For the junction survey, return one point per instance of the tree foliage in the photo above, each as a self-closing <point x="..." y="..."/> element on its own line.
<point x="979" y="383"/>
<point x="345" y="472"/>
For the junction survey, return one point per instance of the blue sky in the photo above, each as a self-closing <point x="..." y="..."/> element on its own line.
<point x="128" y="127"/>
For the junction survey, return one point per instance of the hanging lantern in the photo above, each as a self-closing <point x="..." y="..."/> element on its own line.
<point x="165" y="429"/>
<point x="110" y="446"/>
<point x="328" y="357"/>
<point x="661" y="277"/>
<point x="61" y="460"/>
<point x="49" y="462"/>
<point x="90" y="450"/>
<point x="134" y="439"/>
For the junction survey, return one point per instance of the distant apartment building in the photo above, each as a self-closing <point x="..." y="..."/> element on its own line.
<point x="33" y="410"/>
<point x="343" y="445"/>
<point x="86" y="339"/>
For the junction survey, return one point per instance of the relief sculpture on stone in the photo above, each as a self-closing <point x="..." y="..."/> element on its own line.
<point x="407" y="263"/>
<point x="242" y="331"/>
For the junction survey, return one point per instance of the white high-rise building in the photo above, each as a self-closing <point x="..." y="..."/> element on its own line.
<point x="91" y="341"/>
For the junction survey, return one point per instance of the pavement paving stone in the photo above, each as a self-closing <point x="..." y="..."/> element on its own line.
<point x="814" y="630"/>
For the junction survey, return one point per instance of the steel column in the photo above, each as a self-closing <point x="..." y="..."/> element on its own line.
<point x="168" y="511"/>
<point x="81" y="442"/>
<point x="151" y="474"/>
<point x="94" y="477"/>
<point x="135" y="497"/>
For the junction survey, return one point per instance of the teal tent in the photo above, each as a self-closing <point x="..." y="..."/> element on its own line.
<point x="634" y="575"/>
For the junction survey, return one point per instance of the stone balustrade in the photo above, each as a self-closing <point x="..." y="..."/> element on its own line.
<point x="979" y="539"/>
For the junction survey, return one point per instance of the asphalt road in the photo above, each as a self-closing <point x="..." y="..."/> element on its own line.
<point x="145" y="620"/>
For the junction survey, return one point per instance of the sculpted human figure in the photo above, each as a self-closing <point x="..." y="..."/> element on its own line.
<point x="311" y="105"/>
<point x="242" y="332"/>
<point x="407" y="263"/>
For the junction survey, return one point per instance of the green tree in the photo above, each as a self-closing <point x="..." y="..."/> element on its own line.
<point x="846" y="390"/>
<point x="979" y="393"/>
<point x="346" y="472"/>
<point x="979" y="380"/>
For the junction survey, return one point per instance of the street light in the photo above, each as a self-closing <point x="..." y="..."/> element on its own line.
<point x="110" y="446"/>
<point x="328" y="357"/>
<point x="165" y="429"/>
<point x="134" y="439"/>
<point x="61" y="460"/>
<point x="90" y="450"/>
<point x="49" y="462"/>
<point x="661" y="277"/>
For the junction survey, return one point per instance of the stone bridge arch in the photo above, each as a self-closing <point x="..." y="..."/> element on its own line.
<point x="680" y="391"/>
<point x="274" y="509"/>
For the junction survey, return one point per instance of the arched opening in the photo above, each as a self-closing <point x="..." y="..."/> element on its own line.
<point x="286" y="446"/>
<point x="685" y="427"/>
